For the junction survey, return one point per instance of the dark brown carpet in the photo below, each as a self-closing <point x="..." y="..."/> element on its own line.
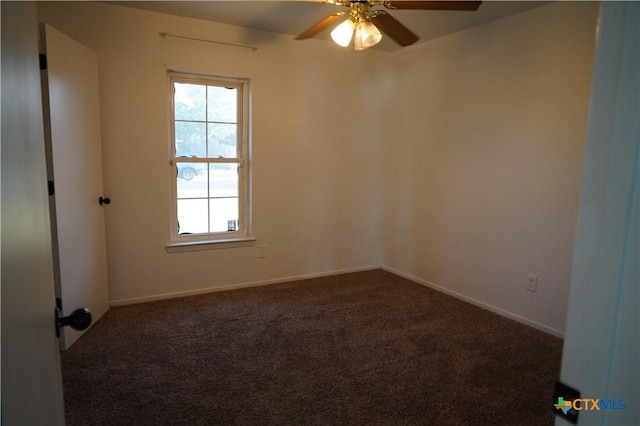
<point x="360" y="348"/>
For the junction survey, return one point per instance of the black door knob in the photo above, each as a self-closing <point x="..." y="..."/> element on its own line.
<point x="105" y="200"/>
<point x="80" y="319"/>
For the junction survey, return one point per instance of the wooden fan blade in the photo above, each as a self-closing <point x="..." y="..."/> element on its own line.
<point x="434" y="5"/>
<point x="394" y="29"/>
<point x="315" y="29"/>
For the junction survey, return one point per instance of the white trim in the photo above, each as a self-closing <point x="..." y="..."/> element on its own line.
<point x="144" y="299"/>
<point x="195" y="245"/>
<point x="181" y="242"/>
<point x="494" y="309"/>
<point x="478" y="303"/>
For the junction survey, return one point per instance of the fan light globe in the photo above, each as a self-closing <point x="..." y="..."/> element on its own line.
<point x="367" y="35"/>
<point x="342" y="33"/>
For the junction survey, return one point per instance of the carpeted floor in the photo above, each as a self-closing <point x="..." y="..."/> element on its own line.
<point x="360" y="348"/>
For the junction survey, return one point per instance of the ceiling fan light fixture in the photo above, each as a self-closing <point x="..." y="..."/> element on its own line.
<point x="343" y="33"/>
<point x="367" y="35"/>
<point x="364" y="13"/>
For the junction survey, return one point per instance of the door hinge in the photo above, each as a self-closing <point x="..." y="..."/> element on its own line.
<point x="58" y="313"/>
<point x="51" y="187"/>
<point x="43" y="61"/>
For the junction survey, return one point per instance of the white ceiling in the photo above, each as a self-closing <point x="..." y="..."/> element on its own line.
<point x="293" y="17"/>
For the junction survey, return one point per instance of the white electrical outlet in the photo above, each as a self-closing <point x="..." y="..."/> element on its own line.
<point x="532" y="282"/>
<point x="262" y="251"/>
<point x="405" y="244"/>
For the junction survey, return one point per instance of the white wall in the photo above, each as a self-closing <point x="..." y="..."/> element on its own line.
<point x="469" y="147"/>
<point x="484" y="185"/>
<point x="315" y="194"/>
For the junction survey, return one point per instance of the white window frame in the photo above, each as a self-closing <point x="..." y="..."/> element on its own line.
<point x="244" y="235"/>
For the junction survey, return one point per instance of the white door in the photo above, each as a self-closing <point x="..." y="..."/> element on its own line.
<point x="601" y="356"/>
<point x="74" y="160"/>
<point x="31" y="379"/>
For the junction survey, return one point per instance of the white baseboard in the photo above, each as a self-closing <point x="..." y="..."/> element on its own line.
<point x="499" y="311"/>
<point x="173" y="295"/>
<point x="478" y="303"/>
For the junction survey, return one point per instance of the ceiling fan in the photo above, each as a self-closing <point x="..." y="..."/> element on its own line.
<point x="366" y="21"/>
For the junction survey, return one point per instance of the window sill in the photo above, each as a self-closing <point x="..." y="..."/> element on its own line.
<point x="180" y="247"/>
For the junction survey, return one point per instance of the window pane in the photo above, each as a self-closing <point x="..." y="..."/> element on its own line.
<point x="208" y="141"/>
<point x="224" y="210"/>
<point x="222" y="140"/>
<point x="190" y="101"/>
<point x="192" y="216"/>
<point x="223" y="104"/>
<point x="191" y="139"/>
<point x="192" y="180"/>
<point x="223" y="180"/>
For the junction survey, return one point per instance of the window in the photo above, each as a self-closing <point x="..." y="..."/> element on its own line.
<point x="210" y="170"/>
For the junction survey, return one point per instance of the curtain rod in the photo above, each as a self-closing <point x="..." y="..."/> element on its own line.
<point x="165" y="35"/>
